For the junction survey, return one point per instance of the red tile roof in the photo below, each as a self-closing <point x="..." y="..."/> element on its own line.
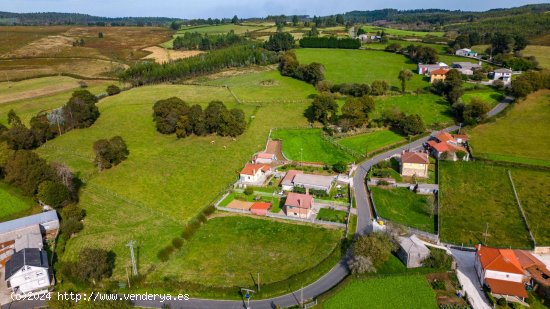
<point x="439" y="72"/>
<point x="503" y="260"/>
<point x="503" y="287"/>
<point x="444" y="137"/>
<point x="252" y="169"/>
<point x="526" y="259"/>
<point x="289" y="177"/>
<point x="440" y="147"/>
<point x="415" y="157"/>
<point x="299" y="200"/>
<point x="260" y="206"/>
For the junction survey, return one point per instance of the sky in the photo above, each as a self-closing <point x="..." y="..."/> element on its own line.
<point x="242" y="8"/>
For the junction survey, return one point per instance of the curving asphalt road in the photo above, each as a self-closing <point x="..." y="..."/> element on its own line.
<point x="325" y="283"/>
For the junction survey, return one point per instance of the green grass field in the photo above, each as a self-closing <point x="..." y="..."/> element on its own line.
<point x="307" y="145"/>
<point x="534" y="193"/>
<point x="226" y="251"/>
<point x="12" y="202"/>
<point x="400" y="205"/>
<point x="332" y="215"/>
<point x="389" y="292"/>
<point x="542" y="53"/>
<point x="486" y="94"/>
<point x="213" y="30"/>
<point x="165" y="181"/>
<point x="520" y="136"/>
<point x="362" y="66"/>
<point x="399" y="32"/>
<point x="475" y="197"/>
<point x="440" y="48"/>
<point x="265" y="86"/>
<point x="28" y="107"/>
<point x="432" y="108"/>
<point x="369" y="142"/>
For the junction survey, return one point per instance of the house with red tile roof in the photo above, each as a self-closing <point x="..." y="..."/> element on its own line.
<point x="254" y="173"/>
<point x="414" y="164"/>
<point x="298" y="205"/>
<point x="445" y="146"/>
<point x="506" y="272"/>
<point x="438" y="75"/>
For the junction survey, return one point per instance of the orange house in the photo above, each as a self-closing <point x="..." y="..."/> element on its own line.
<point x="439" y="74"/>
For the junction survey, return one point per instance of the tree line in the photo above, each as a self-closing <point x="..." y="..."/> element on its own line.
<point x="148" y="72"/>
<point x="174" y="115"/>
<point x="329" y="42"/>
<point x="311" y="73"/>
<point x="198" y="41"/>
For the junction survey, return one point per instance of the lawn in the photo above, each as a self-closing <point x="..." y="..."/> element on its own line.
<point x="307" y="145"/>
<point x="12" y="202"/>
<point x="399" y="32"/>
<point x="362" y="66"/>
<point x="165" y="181"/>
<point x="534" y="193"/>
<point x="369" y="142"/>
<point x="264" y="86"/>
<point x="486" y="94"/>
<point x="520" y="136"/>
<point x="389" y="292"/>
<point x="432" y="108"/>
<point x="476" y="197"/>
<point x="400" y="205"/>
<point x="33" y="102"/>
<point x="332" y="215"/>
<point x="227" y="251"/>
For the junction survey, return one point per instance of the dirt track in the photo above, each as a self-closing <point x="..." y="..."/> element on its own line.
<point x="161" y="55"/>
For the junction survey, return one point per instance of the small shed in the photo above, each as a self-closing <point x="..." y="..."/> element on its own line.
<point x="260" y="208"/>
<point x="412" y="251"/>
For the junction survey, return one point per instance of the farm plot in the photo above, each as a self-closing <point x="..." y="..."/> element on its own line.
<point x="389" y="292"/>
<point x="307" y="145"/>
<point x="533" y="188"/>
<point x="431" y="108"/>
<point x="373" y="141"/>
<point x="477" y="205"/>
<point x="253" y="86"/>
<point x="542" y="53"/>
<point x="171" y="179"/>
<point x="520" y="136"/>
<point x="362" y="66"/>
<point x="29" y="103"/>
<point x="400" y="205"/>
<point x="485" y="94"/>
<point x="400" y="32"/>
<point x="225" y="251"/>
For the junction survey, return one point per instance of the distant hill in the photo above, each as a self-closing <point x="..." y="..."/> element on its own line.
<point x="52" y="18"/>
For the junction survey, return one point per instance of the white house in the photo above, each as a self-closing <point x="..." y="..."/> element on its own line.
<point x="428" y="68"/>
<point x="28" y="272"/>
<point x="264" y="158"/>
<point x="466" y="52"/>
<point x="254" y="173"/>
<point x="503" y="74"/>
<point x="363" y="38"/>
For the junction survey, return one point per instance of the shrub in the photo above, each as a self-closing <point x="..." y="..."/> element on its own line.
<point x="70" y="227"/>
<point x="375" y="246"/>
<point x="248" y="191"/>
<point x="53" y="193"/>
<point x="339" y="167"/>
<point x="110" y="152"/>
<point x="501" y="301"/>
<point x="164" y="254"/>
<point x="113" y="89"/>
<point x="177" y="243"/>
<point x="438" y="259"/>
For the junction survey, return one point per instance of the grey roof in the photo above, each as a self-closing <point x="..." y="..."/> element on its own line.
<point x="503" y="71"/>
<point x="466" y="65"/>
<point x="26" y="257"/>
<point x="428" y="186"/>
<point x="314" y="180"/>
<point x="28" y="237"/>
<point x="413" y="244"/>
<point x="40" y="218"/>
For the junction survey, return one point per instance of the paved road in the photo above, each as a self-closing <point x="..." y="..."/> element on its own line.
<point x="335" y="275"/>
<point x="467" y="276"/>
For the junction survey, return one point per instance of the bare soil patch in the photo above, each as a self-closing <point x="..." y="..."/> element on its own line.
<point x="162" y="55"/>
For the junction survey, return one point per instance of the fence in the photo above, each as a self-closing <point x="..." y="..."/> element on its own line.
<point x="521" y="209"/>
<point x="349" y="151"/>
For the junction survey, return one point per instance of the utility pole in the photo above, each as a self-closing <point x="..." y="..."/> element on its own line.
<point x="258" y="282"/>
<point x="134" y="266"/>
<point x="486" y="232"/>
<point x="302" y="297"/>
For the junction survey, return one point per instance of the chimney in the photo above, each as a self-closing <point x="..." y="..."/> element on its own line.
<point x="307" y="191"/>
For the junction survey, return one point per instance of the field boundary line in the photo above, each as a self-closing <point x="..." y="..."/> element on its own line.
<point x="521" y="209"/>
